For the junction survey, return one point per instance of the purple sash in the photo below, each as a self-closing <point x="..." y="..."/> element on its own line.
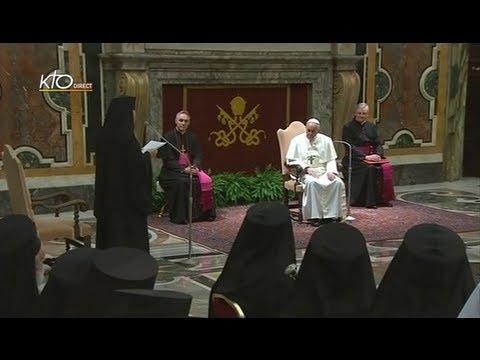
<point x="387" y="169"/>
<point x="206" y="184"/>
<point x="388" y="191"/>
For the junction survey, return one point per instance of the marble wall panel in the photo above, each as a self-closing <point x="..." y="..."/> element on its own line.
<point x="400" y="68"/>
<point x="26" y="119"/>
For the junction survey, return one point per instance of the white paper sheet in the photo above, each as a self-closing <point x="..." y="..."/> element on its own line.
<point x="152" y="144"/>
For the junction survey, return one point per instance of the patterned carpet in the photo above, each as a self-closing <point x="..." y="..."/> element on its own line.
<point x="376" y="224"/>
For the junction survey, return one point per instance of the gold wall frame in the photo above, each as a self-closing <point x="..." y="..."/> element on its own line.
<point x="136" y="83"/>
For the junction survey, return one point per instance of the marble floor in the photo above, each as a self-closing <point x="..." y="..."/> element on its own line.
<point x="196" y="273"/>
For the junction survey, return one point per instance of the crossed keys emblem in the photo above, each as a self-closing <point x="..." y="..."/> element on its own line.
<point x="237" y="121"/>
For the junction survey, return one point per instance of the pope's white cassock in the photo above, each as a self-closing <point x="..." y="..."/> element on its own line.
<point x="322" y="198"/>
<point x="471" y="309"/>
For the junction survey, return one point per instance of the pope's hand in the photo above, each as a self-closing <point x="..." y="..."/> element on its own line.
<point x="331" y="176"/>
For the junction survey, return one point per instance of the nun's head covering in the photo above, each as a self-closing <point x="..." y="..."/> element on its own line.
<point x="18" y="246"/>
<point x="254" y="273"/>
<point x="118" y="127"/>
<point x="336" y="277"/>
<point x="429" y="276"/>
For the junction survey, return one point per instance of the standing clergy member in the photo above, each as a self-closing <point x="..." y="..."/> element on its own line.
<point x="123" y="180"/>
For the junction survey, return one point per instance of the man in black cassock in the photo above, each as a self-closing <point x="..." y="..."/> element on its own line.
<point x="174" y="177"/>
<point x="372" y="175"/>
<point x="123" y="181"/>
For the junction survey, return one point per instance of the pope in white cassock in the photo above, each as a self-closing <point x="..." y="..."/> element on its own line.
<point x="324" y="192"/>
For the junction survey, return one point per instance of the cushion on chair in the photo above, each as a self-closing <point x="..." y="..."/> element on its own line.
<point x="57" y="228"/>
<point x="223" y="307"/>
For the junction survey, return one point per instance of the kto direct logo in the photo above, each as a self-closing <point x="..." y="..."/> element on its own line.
<point x="62" y="82"/>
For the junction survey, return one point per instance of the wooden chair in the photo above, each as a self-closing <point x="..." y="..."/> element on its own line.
<point x="223" y="307"/>
<point x="290" y="175"/>
<point x="73" y="232"/>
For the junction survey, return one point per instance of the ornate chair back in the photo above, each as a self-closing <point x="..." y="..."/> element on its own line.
<point x="291" y="182"/>
<point x="49" y="228"/>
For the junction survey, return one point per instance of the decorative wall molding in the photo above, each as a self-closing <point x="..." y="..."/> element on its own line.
<point x="346" y="89"/>
<point x="405" y="138"/>
<point x="136" y="83"/>
<point x="429" y="89"/>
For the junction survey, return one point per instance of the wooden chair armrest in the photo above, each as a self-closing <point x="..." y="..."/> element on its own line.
<point x="58" y="197"/>
<point x="79" y="205"/>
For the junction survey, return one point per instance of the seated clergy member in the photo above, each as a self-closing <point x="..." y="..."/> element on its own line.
<point x="174" y="177"/>
<point x="21" y="256"/>
<point x="372" y="174"/>
<point x="429" y="276"/>
<point x="83" y="281"/>
<point x="335" y="277"/>
<point x="255" y="274"/>
<point x="324" y="191"/>
<point x="66" y="294"/>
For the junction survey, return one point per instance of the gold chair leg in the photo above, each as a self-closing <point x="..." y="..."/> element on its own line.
<point x="164" y="210"/>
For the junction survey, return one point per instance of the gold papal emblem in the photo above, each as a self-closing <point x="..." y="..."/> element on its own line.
<point x="237" y="121"/>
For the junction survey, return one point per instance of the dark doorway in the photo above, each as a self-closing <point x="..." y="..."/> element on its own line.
<point x="472" y="114"/>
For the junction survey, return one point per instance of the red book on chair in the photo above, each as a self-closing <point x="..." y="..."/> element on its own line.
<point x="383" y="161"/>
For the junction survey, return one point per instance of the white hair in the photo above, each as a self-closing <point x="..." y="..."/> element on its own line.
<point x="363" y="106"/>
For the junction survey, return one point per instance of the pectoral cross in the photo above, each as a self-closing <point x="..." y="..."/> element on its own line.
<point x="310" y="158"/>
<point x="183" y="149"/>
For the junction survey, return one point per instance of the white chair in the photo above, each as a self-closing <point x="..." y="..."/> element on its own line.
<point x="290" y="176"/>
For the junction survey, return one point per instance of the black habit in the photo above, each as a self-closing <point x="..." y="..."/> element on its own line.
<point x="336" y="277"/>
<point x="19" y="244"/>
<point x="254" y="274"/>
<point x="429" y="276"/>
<point x="123" y="181"/>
